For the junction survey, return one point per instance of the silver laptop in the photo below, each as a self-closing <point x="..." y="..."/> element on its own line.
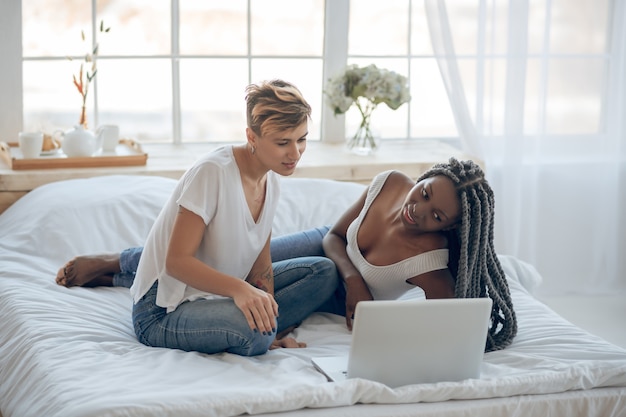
<point x="415" y="341"/>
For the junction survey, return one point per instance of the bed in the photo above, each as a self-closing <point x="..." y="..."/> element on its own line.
<point x="72" y="352"/>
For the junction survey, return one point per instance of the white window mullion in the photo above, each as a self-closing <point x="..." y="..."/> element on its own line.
<point x="176" y="109"/>
<point x="545" y="70"/>
<point x="337" y="18"/>
<point x="615" y="102"/>
<point x="516" y="68"/>
<point x="409" y="63"/>
<point x="94" y="42"/>
<point x="492" y="67"/>
<point x="480" y="66"/>
<point x="249" y="40"/>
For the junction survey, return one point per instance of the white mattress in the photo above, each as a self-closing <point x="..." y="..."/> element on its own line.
<point x="72" y="352"/>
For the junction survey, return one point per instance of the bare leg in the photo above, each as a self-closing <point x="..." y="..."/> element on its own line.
<point x="89" y="271"/>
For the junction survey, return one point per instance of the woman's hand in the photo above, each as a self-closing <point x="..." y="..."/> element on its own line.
<point x="356" y="290"/>
<point x="259" y="308"/>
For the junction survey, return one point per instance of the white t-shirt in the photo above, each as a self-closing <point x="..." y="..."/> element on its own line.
<point x="212" y="189"/>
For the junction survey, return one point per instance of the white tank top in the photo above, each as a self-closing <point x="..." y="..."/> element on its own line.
<point x="388" y="282"/>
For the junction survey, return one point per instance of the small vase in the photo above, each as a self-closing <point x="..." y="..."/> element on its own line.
<point x="364" y="142"/>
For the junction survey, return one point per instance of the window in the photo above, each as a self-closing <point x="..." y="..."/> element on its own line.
<point x="167" y="72"/>
<point x="174" y="71"/>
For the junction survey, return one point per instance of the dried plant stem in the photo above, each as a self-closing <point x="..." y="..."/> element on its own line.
<point x="83" y="117"/>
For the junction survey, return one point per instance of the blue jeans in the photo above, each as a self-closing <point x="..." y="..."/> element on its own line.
<point x="303" y="284"/>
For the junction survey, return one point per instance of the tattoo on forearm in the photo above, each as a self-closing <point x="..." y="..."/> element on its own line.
<point x="264" y="281"/>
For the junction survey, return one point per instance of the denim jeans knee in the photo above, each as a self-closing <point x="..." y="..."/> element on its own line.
<point x="301" y="286"/>
<point x="207" y="326"/>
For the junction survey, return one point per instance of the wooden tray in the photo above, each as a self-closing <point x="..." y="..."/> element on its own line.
<point x="127" y="153"/>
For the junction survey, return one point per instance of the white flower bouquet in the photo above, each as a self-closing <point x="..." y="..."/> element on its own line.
<point x="366" y="88"/>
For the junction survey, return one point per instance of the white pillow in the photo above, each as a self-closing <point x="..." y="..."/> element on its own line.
<point x="309" y="202"/>
<point x="102" y="214"/>
<point x="60" y="220"/>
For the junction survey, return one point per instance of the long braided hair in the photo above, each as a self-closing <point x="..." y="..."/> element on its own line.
<point x="473" y="261"/>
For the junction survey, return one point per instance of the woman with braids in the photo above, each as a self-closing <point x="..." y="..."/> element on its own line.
<point x="436" y="234"/>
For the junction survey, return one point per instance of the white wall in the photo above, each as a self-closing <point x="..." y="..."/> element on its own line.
<point x="10" y="71"/>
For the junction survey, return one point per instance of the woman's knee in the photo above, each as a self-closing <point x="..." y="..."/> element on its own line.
<point x="252" y="344"/>
<point x="326" y="265"/>
<point x="325" y="268"/>
<point x="299" y="244"/>
<point x="209" y="341"/>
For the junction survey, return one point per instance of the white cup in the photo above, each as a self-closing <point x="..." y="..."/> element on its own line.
<point x="110" y="135"/>
<point x="31" y="144"/>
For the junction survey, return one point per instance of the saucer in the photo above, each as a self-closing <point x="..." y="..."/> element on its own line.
<point x="50" y="152"/>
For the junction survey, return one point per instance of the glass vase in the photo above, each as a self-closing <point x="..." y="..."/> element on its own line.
<point x="364" y="142"/>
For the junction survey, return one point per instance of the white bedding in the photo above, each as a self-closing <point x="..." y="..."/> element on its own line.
<point x="72" y="352"/>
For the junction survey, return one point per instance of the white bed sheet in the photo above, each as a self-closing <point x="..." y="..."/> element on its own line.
<point x="72" y="352"/>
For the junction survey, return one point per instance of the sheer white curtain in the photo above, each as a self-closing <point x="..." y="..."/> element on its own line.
<point x="560" y="182"/>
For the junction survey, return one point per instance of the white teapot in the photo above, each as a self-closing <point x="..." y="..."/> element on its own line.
<point x="80" y="142"/>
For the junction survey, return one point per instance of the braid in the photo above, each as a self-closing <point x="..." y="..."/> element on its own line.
<point x="473" y="259"/>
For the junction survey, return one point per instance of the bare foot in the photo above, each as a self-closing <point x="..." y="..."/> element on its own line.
<point x="287" y="343"/>
<point x="285" y="332"/>
<point x="89" y="271"/>
<point x="282" y="341"/>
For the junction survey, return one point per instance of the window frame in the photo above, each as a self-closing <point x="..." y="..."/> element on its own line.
<point x="335" y="49"/>
<point x="334" y="58"/>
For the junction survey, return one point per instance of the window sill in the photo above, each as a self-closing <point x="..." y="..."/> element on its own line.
<point x="321" y="160"/>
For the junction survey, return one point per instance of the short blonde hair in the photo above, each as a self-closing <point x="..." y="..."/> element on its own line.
<point x="274" y="106"/>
